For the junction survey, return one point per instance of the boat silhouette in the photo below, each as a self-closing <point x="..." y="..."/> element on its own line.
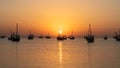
<point x="72" y="37"/>
<point x="89" y="37"/>
<point x="64" y="37"/>
<point x="60" y="37"/>
<point x="105" y="38"/>
<point x="117" y="36"/>
<point x="15" y="37"/>
<point x="48" y="36"/>
<point x="30" y="36"/>
<point x="2" y="36"/>
<point x="40" y="37"/>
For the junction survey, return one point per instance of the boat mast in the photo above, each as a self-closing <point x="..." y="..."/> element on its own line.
<point x="16" y="28"/>
<point x="72" y="32"/>
<point x="89" y="30"/>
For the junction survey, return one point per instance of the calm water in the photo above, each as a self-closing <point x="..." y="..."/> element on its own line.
<point x="44" y="53"/>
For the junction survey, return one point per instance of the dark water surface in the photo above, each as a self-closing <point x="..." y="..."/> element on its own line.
<point x="45" y="53"/>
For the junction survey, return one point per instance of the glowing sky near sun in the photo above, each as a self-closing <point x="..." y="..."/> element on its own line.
<point x="48" y="16"/>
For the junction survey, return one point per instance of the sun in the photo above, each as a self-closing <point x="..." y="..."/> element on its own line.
<point x="60" y="31"/>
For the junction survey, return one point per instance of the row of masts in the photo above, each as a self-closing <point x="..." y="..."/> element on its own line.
<point x="14" y="36"/>
<point x="90" y="37"/>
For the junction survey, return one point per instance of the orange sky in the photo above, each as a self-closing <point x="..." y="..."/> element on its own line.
<point x="49" y="16"/>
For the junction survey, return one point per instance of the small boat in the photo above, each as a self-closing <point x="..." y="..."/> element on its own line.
<point x="48" y="36"/>
<point x="15" y="37"/>
<point x="89" y="37"/>
<point x="30" y="36"/>
<point x="2" y="36"/>
<point x="64" y="37"/>
<point x="60" y="37"/>
<point x="40" y="37"/>
<point x="117" y="36"/>
<point x="105" y="38"/>
<point x="71" y="36"/>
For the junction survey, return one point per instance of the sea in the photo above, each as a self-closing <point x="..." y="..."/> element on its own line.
<point x="51" y="53"/>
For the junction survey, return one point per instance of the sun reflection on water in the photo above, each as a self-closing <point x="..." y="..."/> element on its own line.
<point x="60" y="54"/>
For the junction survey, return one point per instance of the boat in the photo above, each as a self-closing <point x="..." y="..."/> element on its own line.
<point x="64" y="37"/>
<point x="105" y="38"/>
<point x="2" y="36"/>
<point x="60" y="37"/>
<point x="30" y="36"/>
<point x="15" y="37"/>
<point x="117" y="36"/>
<point x="89" y="37"/>
<point x="48" y="36"/>
<point x="40" y="37"/>
<point x="72" y="37"/>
